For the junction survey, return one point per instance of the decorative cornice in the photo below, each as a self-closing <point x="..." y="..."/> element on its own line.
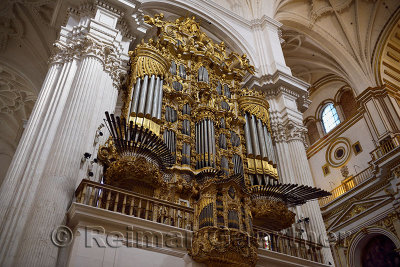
<point x="265" y="21"/>
<point x="273" y="85"/>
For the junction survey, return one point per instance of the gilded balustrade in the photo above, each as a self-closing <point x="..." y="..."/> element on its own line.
<point x="386" y="147"/>
<point x="347" y="185"/>
<point x="141" y="206"/>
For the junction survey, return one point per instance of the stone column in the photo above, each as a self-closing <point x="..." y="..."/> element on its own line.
<point x="288" y="98"/>
<point x="289" y="136"/>
<point x="81" y="84"/>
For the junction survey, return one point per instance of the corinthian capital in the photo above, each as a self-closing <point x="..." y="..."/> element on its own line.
<point x="289" y="131"/>
<point x="87" y="46"/>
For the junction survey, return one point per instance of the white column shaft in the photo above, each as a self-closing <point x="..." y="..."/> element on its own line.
<point x="21" y="182"/>
<point x="301" y="168"/>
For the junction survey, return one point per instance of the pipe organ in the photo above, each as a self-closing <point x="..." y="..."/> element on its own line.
<point x="186" y="115"/>
<point x="205" y="144"/>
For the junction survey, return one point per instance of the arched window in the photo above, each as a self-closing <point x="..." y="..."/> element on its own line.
<point x="329" y="117"/>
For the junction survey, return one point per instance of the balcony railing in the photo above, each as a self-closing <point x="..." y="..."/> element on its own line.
<point x="133" y="204"/>
<point x="386" y="147"/>
<point x="141" y="206"/>
<point x="347" y="185"/>
<point x="289" y="245"/>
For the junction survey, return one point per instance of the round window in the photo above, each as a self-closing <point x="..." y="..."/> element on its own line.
<point x="339" y="153"/>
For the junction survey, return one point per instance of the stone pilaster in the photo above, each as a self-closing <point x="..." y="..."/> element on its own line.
<point x="82" y="83"/>
<point x="382" y="111"/>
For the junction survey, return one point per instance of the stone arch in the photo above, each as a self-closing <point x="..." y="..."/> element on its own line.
<point x="312" y="130"/>
<point x="385" y="70"/>
<point x="361" y="239"/>
<point x="18" y="96"/>
<point x="347" y="102"/>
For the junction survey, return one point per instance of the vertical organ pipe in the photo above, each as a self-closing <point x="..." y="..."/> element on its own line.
<point x="209" y="141"/>
<point x="197" y="144"/>
<point x="273" y="151"/>
<point x="189" y="153"/>
<point x="156" y="96"/>
<point x="273" y="158"/>
<point x="247" y="136"/>
<point x="254" y="137"/>
<point x="149" y="96"/>
<point x="143" y="93"/>
<point x="261" y="138"/>
<point x="205" y="139"/>
<point x="214" y="152"/>
<point x="269" y="154"/>
<point x="135" y="99"/>
<point x="159" y="106"/>
<point x="201" y="136"/>
<point x="131" y="98"/>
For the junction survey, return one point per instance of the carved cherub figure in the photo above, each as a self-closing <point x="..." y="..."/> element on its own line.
<point x="156" y="21"/>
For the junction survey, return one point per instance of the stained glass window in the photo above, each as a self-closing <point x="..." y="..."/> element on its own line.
<point x="330" y="118"/>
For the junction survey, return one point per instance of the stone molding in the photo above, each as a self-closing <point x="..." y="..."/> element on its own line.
<point x="89" y="47"/>
<point x="289" y="131"/>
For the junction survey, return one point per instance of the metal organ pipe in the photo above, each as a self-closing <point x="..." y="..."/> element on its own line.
<point x="149" y="96"/>
<point x="209" y="141"/>
<point x="205" y="143"/>
<point x="188" y="153"/>
<point x="258" y="138"/>
<point x="131" y="97"/>
<point x="197" y="143"/>
<point x="160" y="100"/>
<point x="254" y="136"/>
<point x="155" y="100"/>
<point x="261" y="138"/>
<point x="247" y="136"/>
<point x="271" y="145"/>
<point x="214" y="151"/>
<point x="143" y="93"/>
<point x="201" y="135"/>
<point x="135" y="99"/>
<point x="265" y="130"/>
<point x="205" y="139"/>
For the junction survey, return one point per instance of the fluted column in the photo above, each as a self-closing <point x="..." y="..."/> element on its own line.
<point x="294" y="168"/>
<point x="80" y="85"/>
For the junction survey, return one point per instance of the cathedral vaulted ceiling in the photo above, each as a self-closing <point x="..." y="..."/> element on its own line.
<point x="336" y="36"/>
<point x="347" y="30"/>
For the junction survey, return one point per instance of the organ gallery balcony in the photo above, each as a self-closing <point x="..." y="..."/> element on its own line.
<point x="349" y="184"/>
<point x="119" y="206"/>
<point x="388" y="150"/>
<point x="383" y="157"/>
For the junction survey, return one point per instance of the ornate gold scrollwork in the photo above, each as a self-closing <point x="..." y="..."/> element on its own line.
<point x="258" y="166"/>
<point x="255" y="103"/>
<point x="271" y="214"/>
<point x="185" y="38"/>
<point x="223" y="247"/>
<point x="125" y="172"/>
<point x="147" y="59"/>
